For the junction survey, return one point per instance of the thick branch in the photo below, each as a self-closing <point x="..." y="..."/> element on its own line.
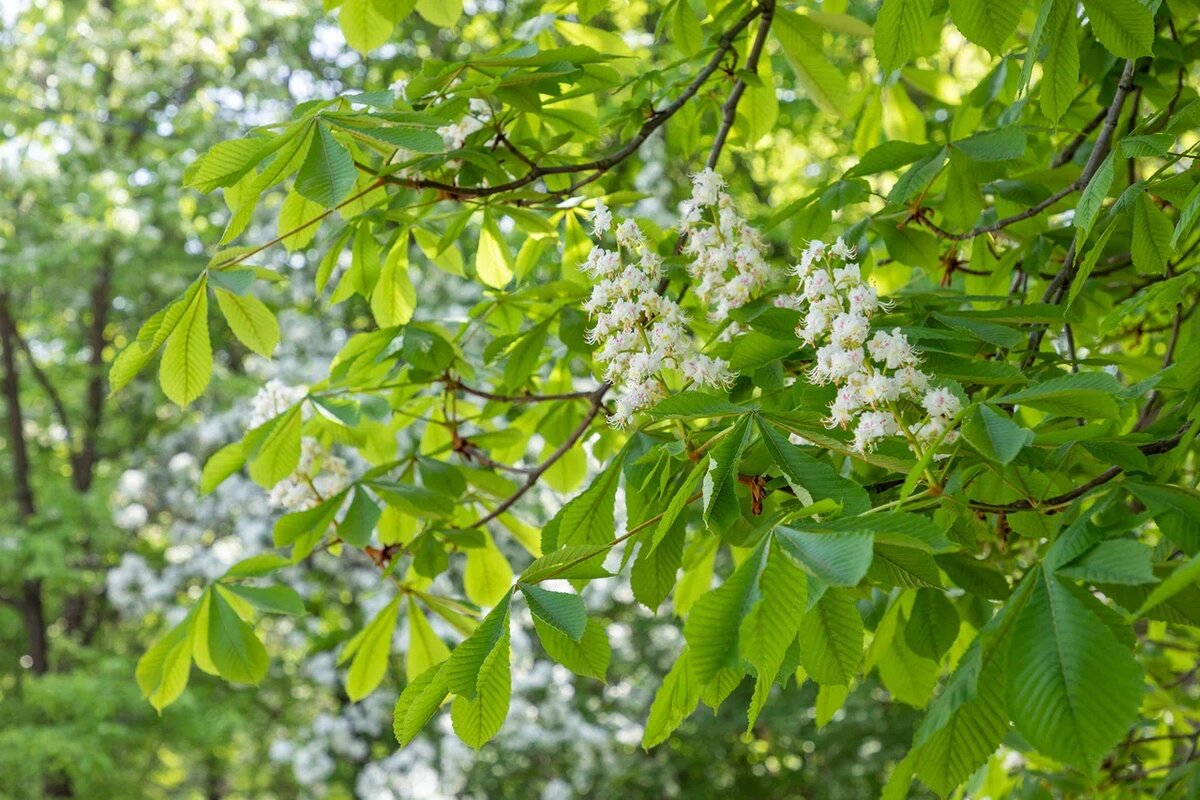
<point x="729" y="109"/>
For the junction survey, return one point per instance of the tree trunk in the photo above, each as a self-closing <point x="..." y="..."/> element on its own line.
<point x="32" y="607"/>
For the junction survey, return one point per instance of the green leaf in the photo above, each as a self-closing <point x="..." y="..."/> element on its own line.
<point x="802" y="43"/>
<point x="1152" y="231"/>
<point x="967" y="722"/>
<point x="897" y="29"/>
<point x="1124" y="27"/>
<point x="987" y="23"/>
<point x="932" y="624"/>
<point x="693" y="405"/>
<point x="839" y="559"/>
<point x="587" y="518"/>
<point x="1082" y="394"/>
<point x="220" y="465"/>
<point x="394" y="298"/>
<point x="721" y="508"/>
<point x="561" y="610"/>
<point x="360" y="520"/>
<point x="371" y="652"/>
<point x="1060" y="69"/>
<point x="1185" y="575"/>
<point x="1093" y="196"/>
<point x="685" y="29"/>
<point x="1073" y="688"/>
<point x="251" y="321"/>
<point x="679" y="502"/>
<point x="296" y="221"/>
<point x="1147" y="145"/>
<point x="1187" y="217"/>
<point x="443" y="13"/>
<point x="809" y="478"/>
<point x="995" y="436"/>
<point x="673" y="702"/>
<point x="773" y="622"/>
<point x="364" y="26"/>
<point x="711" y="629"/>
<point x="1089" y="262"/>
<point x="163" y="670"/>
<point x="257" y="566"/>
<point x="1122" y="561"/>
<point x="1002" y="144"/>
<point x="891" y="156"/>
<point x="328" y="172"/>
<point x="226" y="163"/>
<point x="418" y="703"/>
<point x="831" y="638"/>
<point x="572" y="562"/>
<point x="589" y="656"/>
<point x="276" y="599"/>
<point x="658" y="561"/>
<point x="493" y="260"/>
<point x="425" y="649"/>
<point x="465" y="662"/>
<point x="235" y="651"/>
<point x="311" y="523"/>
<point x="187" y="359"/>
<point x="274" y="448"/>
<point x="477" y="718"/>
<point x="488" y="574"/>
<point x="904" y="566"/>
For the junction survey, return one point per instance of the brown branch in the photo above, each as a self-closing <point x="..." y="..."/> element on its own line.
<point x="43" y="380"/>
<point x="534" y="476"/>
<point x="1062" y="281"/>
<point x="1093" y="163"/>
<point x="31" y="603"/>
<point x="453" y="384"/>
<point x="85" y="459"/>
<point x="729" y="108"/>
<point x="601" y="165"/>
<point x="1073" y="146"/>
<point x="1052" y="503"/>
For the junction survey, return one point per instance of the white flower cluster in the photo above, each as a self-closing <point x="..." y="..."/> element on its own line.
<point x="320" y="474"/>
<point x="454" y="135"/>
<point x="640" y="335"/>
<point x="876" y="374"/>
<point x="727" y="255"/>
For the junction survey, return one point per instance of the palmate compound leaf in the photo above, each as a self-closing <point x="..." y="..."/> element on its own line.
<point x="1073" y="689"/>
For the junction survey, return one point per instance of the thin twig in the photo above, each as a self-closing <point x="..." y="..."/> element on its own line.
<point x="1051" y="503"/>
<point x="534" y="476"/>
<point x="601" y="165"/>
